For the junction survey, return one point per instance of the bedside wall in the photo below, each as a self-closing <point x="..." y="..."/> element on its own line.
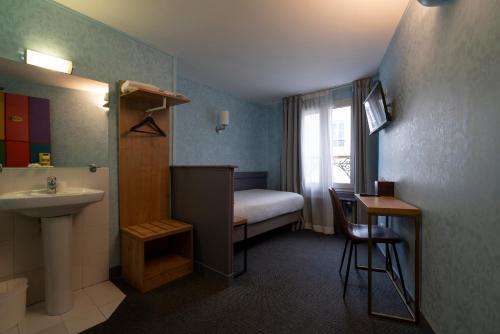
<point x="441" y="70"/>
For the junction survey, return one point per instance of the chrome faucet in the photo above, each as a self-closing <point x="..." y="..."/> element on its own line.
<point x="51" y="184"/>
<point x="93" y="168"/>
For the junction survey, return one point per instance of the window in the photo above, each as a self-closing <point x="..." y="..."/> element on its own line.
<point x="337" y="134"/>
<point x="311" y="147"/>
<point x="340" y="147"/>
<point x="325" y="140"/>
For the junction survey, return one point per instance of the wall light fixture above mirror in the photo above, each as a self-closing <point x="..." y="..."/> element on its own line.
<point x="49" y="62"/>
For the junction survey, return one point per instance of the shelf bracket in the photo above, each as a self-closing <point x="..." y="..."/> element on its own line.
<point x="162" y="107"/>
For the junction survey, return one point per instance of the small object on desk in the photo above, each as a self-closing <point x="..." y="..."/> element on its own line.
<point x="384" y="188"/>
<point x="367" y="195"/>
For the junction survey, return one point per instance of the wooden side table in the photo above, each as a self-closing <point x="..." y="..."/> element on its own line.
<point x="156" y="253"/>
<point x="237" y="223"/>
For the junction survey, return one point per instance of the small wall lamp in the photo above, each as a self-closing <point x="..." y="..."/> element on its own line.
<point x="223" y="121"/>
<point x="49" y="62"/>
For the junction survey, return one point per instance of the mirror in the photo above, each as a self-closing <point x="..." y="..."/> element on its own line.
<point x="50" y="115"/>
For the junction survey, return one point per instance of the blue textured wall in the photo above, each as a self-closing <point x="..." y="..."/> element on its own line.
<point x="98" y="52"/>
<point x="252" y="141"/>
<point x="442" y="69"/>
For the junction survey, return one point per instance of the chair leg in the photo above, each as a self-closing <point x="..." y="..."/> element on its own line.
<point x="399" y="271"/>
<point x="343" y="256"/>
<point x="348" y="269"/>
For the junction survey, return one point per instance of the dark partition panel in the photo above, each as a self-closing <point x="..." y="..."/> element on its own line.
<point x="203" y="196"/>
<point x="250" y="180"/>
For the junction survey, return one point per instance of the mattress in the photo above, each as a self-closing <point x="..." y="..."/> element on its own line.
<point x="257" y="205"/>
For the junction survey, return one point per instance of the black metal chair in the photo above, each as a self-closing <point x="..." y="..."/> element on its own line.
<point x="358" y="234"/>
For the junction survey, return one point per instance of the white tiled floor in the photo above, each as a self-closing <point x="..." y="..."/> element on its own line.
<point x="92" y="305"/>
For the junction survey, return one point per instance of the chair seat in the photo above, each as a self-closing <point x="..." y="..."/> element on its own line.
<point x="380" y="234"/>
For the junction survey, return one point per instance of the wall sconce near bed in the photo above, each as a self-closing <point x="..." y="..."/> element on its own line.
<point x="223" y="121"/>
<point x="48" y="62"/>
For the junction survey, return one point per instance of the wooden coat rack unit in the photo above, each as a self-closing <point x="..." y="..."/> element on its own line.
<point x="154" y="248"/>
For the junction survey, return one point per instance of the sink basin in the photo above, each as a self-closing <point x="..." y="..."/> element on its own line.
<point x="38" y="203"/>
<point x="55" y="212"/>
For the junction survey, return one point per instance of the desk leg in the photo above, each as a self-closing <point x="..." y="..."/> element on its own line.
<point x="414" y="313"/>
<point x="370" y="244"/>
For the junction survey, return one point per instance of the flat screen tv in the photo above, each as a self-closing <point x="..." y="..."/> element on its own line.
<point x="376" y="109"/>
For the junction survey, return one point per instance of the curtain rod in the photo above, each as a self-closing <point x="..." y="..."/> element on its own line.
<point x="327" y="89"/>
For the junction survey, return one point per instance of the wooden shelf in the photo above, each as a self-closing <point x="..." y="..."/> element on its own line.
<point x="154" y="98"/>
<point x="164" y="264"/>
<point x="154" y="249"/>
<point x="156" y="229"/>
<point x="156" y="253"/>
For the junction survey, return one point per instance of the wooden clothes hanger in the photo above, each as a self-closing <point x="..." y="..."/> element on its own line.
<point x="150" y="122"/>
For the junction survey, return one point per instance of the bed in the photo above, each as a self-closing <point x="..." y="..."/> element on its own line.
<point x="204" y="196"/>
<point x="264" y="209"/>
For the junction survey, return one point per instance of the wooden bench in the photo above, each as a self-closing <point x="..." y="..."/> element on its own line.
<point x="157" y="252"/>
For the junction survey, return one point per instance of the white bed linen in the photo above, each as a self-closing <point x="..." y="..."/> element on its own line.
<point x="260" y="204"/>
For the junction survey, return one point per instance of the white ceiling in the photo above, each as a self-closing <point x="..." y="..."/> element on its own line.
<point x="260" y="50"/>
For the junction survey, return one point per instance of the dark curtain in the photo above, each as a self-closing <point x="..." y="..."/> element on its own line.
<point x="365" y="146"/>
<point x="290" y="159"/>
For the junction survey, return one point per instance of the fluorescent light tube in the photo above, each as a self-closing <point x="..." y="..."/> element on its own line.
<point x="49" y="62"/>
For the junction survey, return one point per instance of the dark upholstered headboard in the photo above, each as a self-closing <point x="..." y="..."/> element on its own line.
<point x="250" y="180"/>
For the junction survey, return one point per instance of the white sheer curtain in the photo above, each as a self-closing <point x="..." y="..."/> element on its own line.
<point x="316" y="161"/>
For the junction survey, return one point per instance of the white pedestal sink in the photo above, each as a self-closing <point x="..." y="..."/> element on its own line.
<point x="55" y="211"/>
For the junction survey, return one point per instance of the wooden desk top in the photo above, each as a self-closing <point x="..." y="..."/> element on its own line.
<point x="387" y="205"/>
<point x="237" y="221"/>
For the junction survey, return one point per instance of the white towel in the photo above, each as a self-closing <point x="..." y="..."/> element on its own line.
<point x="130" y="86"/>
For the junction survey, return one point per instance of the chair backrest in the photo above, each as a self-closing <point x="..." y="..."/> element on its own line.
<point x="338" y="212"/>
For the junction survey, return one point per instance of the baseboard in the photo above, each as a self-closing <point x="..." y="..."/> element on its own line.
<point x="212" y="274"/>
<point x="424" y="325"/>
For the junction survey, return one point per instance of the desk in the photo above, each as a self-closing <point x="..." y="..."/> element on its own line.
<point x="373" y="206"/>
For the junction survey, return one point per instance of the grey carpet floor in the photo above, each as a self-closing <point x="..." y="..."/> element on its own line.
<point x="292" y="286"/>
